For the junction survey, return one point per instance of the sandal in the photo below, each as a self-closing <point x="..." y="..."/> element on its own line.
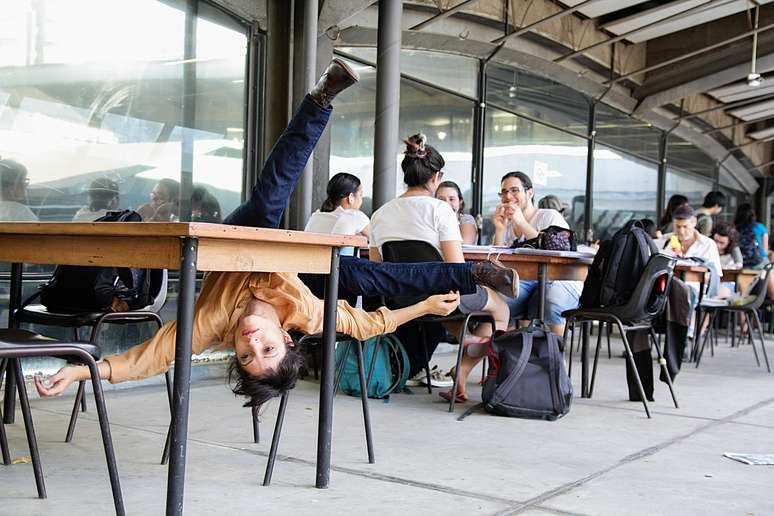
<point x="460" y="398"/>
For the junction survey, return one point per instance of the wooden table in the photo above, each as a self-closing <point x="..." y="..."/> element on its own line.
<point x="188" y="247"/>
<point x="742" y="278"/>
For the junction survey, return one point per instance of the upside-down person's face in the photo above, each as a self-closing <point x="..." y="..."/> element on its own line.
<point x="260" y="345"/>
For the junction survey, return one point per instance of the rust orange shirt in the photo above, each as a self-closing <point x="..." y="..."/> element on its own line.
<point x="222" y="302"/>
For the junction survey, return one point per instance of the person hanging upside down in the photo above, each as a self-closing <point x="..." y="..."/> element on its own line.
<point x="253" y="312"/>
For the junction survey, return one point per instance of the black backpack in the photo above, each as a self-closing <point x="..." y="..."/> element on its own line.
<point x="748" y="245"/>
<point x="617" y="267"/>
<point x="85" y="289"/>
<point x="526" y="377"/>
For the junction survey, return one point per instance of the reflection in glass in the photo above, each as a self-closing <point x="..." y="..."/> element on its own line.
<point x="446" y="120"/>
<point x="624" y="189"/>
<point x="80" y="103"/>
<point x="554" y="160"/>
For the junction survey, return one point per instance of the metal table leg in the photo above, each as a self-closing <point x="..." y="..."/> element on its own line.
<point x="585" y="358"/>
<point x="14" y="303"/>
<point x="182" y="384"/>
<point x="541" y="291"/>
<point x="697" y="321"/>
<point x="324" y="428"/>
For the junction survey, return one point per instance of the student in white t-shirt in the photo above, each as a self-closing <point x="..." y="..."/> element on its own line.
<point x="13" y="192"/>
<point x="418" y="215"/>
<point x="340" y="212"/>
<point x="516" y="218"/>
<point x="450" y="192"/>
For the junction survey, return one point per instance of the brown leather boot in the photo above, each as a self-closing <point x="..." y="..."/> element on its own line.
<point x="337" y="77"/>
<point x="496" y="276"/>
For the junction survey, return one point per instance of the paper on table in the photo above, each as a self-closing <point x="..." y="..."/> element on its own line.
<point x="754" y="459"/>
<point x="526" y="251"/>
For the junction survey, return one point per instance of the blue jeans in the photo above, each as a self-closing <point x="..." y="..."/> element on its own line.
<point x="560" y="296"/>
<point x="279" y="176"/>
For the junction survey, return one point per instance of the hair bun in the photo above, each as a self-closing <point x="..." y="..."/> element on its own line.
<point x="415" y="146"/>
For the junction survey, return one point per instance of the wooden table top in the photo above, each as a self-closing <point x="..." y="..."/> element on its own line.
<point x="157" y="245"/>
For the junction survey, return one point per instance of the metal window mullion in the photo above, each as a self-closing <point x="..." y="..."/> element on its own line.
<point x="588" y="205"/>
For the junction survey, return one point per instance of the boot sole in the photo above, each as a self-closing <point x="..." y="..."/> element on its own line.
<point x="352" y="73"/>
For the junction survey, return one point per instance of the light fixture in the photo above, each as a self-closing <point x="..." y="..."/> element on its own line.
<point x="441" y="135"/>
<point x="754" y="79"/>
<point x="512" y="92"/>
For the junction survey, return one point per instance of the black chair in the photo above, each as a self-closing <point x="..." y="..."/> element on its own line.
<point x="316" y="340"/>
<point x="647" y="302"/>
<point x="750" y="308"/>
<point x="414" y="251"/>
<point x="16" y="344"/>
<point x="38" y="314"/>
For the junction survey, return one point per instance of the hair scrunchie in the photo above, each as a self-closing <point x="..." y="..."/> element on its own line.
<point x="415" y="146"/>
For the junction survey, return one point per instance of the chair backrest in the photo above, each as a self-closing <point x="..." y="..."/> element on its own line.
<point x="408" y="251"/>
<point x="650" y="296"/>
<point x="760" y="288"/>
<point x="159" y="279"/>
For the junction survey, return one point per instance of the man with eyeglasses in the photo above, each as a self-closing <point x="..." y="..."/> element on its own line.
<point x="517" y="219"/>
<point x="13" y="192"/>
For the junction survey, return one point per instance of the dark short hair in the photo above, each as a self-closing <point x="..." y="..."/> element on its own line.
<point x="339" y="187"/>
<point x="526" y="182"/>
<point x="260" y="389"/>
<point x="726" y="229"/>
<point x="683" y="212"/>
<point x="420" y="161"/>
<point x="452" y="184"/>
<point x="101" y="192"/>
<point x="713" y="199"/>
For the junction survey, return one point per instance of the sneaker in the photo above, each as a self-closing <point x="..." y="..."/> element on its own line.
<point x="438" y="378"/>
<point x="417" y="380"/>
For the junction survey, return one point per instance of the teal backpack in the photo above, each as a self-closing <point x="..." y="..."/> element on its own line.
<point x="391" y="366"/>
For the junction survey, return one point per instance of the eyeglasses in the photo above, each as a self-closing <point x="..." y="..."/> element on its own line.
<point x="516" y="190"/>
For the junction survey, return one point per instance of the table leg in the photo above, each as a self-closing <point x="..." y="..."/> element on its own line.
<point x="14" y="303"/>
<point x="585" y="358"/>
<point x="325" y="425"/>
<point x="697" y="322"/>
<point x="541" y="291"/>
<point x="182" y="383"/>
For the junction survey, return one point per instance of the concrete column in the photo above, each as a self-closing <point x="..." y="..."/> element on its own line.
<point x="588" y="202"/>
<point x="386" y="135"/>
<point x="304" y="77"/>
<point x="661" y="181"/>
<point x="277" y="69"/>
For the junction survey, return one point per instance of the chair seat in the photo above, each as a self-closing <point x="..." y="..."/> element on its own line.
<point x="603" y="314"/>
<point x="12" y="338"/>
<point x="39" y="314"/>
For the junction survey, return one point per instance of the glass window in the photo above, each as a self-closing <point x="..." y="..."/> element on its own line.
<point x="554" y="160"/>
<point x="449" y="71"/>
<point x="692" y="186"/>
<point x="446" y="120"/>
<point x="537" y="98"/>
<point x="624" y="189"/>
<point x="617" y="129"/>
<point x="99" y="117"/>
<point x="684" y="155"/>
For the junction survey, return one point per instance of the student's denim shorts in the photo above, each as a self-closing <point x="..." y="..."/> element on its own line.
<point x="560" y="296"/>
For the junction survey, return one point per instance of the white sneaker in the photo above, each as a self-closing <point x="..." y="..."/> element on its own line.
<point x="438" y="378"/>
<point x="417" y="380"/>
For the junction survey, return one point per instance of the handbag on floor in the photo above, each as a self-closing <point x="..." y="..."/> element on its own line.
<point x="391" y="366"/>
<point x="526" y="378"/>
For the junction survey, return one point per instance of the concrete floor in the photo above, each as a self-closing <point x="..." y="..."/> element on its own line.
<point x="604" y="458"/>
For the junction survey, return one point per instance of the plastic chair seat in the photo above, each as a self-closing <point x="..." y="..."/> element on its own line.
<point x="11" y="339"/>
<point x="39" y="314"/>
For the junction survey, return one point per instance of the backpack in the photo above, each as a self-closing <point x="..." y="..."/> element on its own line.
<point x="526" y="377"/>
<point x="617" y="267"/>
<point x="749" y="246"/>
<point x="84" y="289"/>
<point x="391" y="368"/>
<point x="553" y="238"/>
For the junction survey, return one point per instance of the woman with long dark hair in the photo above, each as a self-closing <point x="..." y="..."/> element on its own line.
<point x="340" y="212"/>
<point x="753" y="237"/>
<point x="450" y="193"/>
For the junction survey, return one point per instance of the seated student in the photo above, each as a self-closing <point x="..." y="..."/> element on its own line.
<point x="665" y="224"/>
<point x="418" y="215"/>
<point x="753" y="237"/>
<point x="164" y="202"/>
<point x="340" y="212"/>
<point x="552" y="202"/>
<point x="516" y="218"/>
<point x="449" y="192"/>
<point x="726" y="238"/>
<point x="204" y="206"/>
<point x="252" y="312"/>
<point x="103" y="197"/>
<point x="13" y="192"/>
<point x="713" y="205"/>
